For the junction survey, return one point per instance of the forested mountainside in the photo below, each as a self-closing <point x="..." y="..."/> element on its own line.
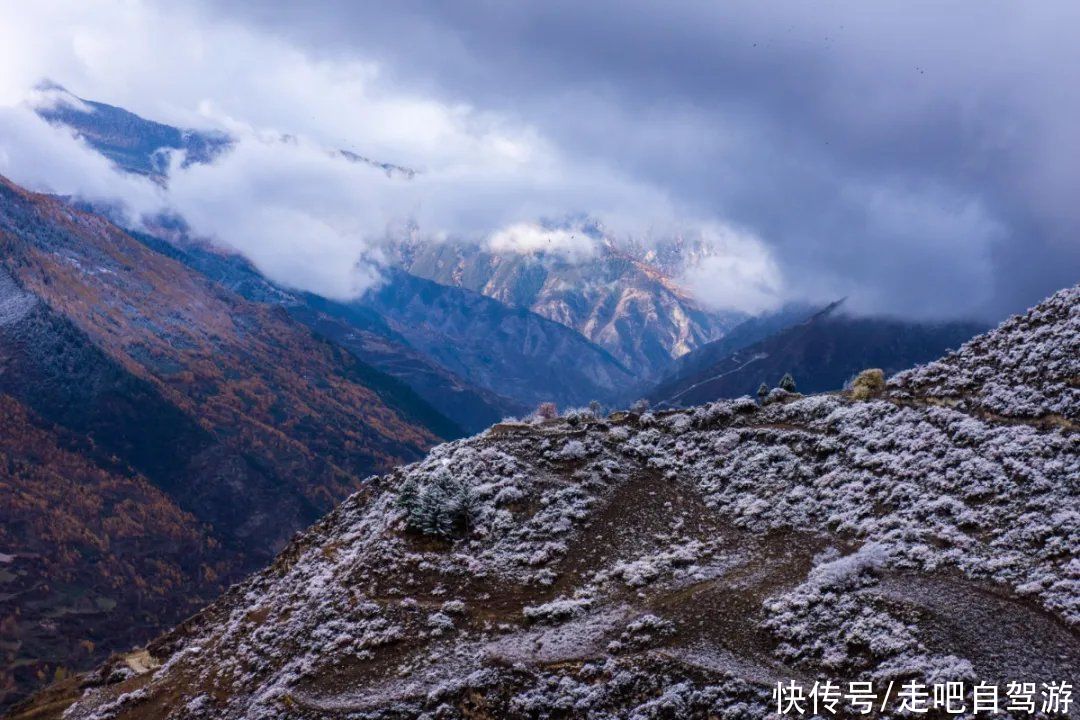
<point x="92" y="555"/>
<point x="247" y="423"/>
<point x="621" y="299"/>
<point x="352" y="325"/>
<point x="823" y="352"/>
<point x="511" y="351"/>
<point x="675" y="564"/>
<point x="473" y="358"/>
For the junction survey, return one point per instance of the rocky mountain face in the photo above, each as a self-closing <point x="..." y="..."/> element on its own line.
<point x="666" y="565"/>
<point x="622" y="299"/>
<point x="822" y="352"/>
<point x="190" y="412"/>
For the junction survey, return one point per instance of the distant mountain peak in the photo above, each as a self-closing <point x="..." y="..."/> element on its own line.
<point x="138" y="145"/>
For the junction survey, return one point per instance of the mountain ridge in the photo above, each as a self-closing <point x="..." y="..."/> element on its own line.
<point x="823" y="352"/>
<point x="676" y="564"/>
<point x="624" y="300"/>
<point x="245" y="425"/>
<point x="133" y="143"/>
<point x="619" y="301"/>
<point x="511" y="350"/>
<point x="359" y="329"/>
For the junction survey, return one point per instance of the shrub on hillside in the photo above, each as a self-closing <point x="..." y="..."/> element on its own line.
<point x="547" y="411"/>
<point x="868" y="384"/>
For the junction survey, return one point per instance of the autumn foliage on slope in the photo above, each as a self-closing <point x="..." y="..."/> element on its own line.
<point x="198" y="421"/>
<point x="109" y="554"/>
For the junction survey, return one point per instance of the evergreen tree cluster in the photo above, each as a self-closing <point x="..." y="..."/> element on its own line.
<point x="787" y="384"/>
<point x="442" y="507"/>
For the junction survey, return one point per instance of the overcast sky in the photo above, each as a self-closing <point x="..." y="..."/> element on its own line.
<point x="919" y="158"/>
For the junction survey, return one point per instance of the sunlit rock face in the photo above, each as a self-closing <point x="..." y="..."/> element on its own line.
<point x="624" y="298"/>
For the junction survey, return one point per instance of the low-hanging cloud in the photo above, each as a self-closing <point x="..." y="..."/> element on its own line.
<point x="794" y="122"/>
<point x="574" y="244"/>
<point x="51" y="159"/>
<point x="284" y="195"/>
<point x="739" y="273"/>
<point x="889" y="155"/>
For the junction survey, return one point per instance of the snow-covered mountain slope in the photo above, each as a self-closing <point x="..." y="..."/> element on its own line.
<point x="1028" y="368"/>
<point x="675" y="565"/>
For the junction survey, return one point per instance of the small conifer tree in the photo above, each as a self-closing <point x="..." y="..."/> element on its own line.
<point x="431" y="516"/>
<point x="465" y="507"/>
<point x="762" y="390"/>
<point x="408" y="496"/>
<point x="787" y="383"/>
<point x="443" y="508"/>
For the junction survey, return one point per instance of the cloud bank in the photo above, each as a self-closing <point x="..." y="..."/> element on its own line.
<point x="284" y="195"/>
<point x="916" y="159"/>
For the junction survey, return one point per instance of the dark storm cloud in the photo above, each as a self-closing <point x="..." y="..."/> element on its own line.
<point x="916" y="156"/>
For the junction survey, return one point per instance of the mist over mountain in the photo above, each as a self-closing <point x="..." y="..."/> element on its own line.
<point x="622" y="299"/>
<point x="617" y="298"/>
<point x="893" y="158"/>
<point x="133" y="143"/>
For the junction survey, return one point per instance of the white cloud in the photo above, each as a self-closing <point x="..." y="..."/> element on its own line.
<point x="526" y="238"/>
<point x="49" y="159"/>
<point x="300" y="212"/>
<point x="738" y="274"/>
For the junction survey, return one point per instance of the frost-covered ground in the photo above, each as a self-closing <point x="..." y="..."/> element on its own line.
<point x="675" y="565"/>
